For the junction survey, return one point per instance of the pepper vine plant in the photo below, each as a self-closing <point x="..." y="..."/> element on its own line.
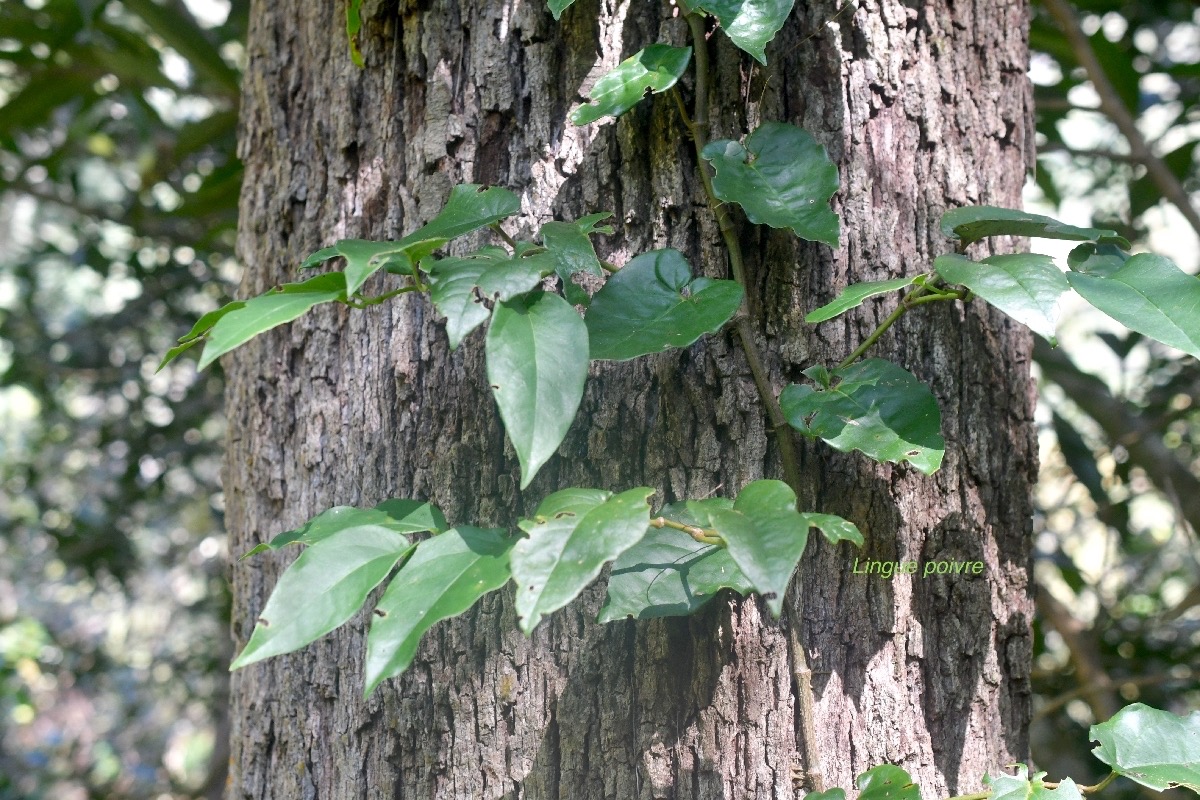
<point x="673" y="559"/>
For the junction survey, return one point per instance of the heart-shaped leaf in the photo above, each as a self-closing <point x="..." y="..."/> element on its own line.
<point x="875" y="407"/>
<point x="569" y="543"/>
<point x="324" y="587"/>
<point x="571" y="244"/>
<point x="537" y="362"/>
<point x="1023" y="787"/>
<point x="781" y="178"/>
<point x="834" y="528"/>
<point x="445" y="576"/>
<point x="364" y="258"/>
<point x="1152" y="747"/>
<point x="654" y="69"/>
<point x="258" y="314"/>
<point x="452" y="289"/>
<point x="670" y="574"/>
<point x="398" y="516"/>
<point x="749" y="24"/>
<point x="653" y="304"/>
<point x="1026" y="286"/>
<point x="1093" y="259"/>
<point x="887" y="782"/>
<point x="972" y="223"/>
<point x="1150" y="295"/>
<point x="854" y="295"/>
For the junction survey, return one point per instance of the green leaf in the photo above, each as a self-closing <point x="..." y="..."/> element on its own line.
<point x="353" y="26"/>
<point x="972" y="223"/>
<point x="397" y="516"/>
<point x="258" y="314"/>
<point x="749" y="24"/>
<point x="875" y="407"/>
<point x="364" y="258"/>
<point x="781" y="178"/>
<point x="569" y="543"/>
<point x="828" y="794"/>
<point x="1026" y="286"/>
<point x="655" y="69"/>
<point x="1092" y="259"/>
<point x="537" y="362"/>
<point x="1023" y="787"/>
<point x="445" y="576"/>
<point x="557" y="7"/>
<point x="834" y="528"/>
<point x="320" y="257"/>
<point x="505" y="279"/>
<point x="322" y="589"/>
<point x="452" y="289"/>
<point x="670" y="574"/>
<point x="198" y="331"/>
<point x="765" y="536"/>
<point x="1150" y="295"/>
<point x="571" y="245"/>
<point x="887" y="782"/>
<point x="469" y="208"/>
<point x="854" y="295"/>
<point x="653" y="304"/>
<point x="1152" y="747"/>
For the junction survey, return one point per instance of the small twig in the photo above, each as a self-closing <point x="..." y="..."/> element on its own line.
<point x="917" y="297"/>
<point x="702" y="535"/>
<point x="1112" y="105"/>
<point x="508" y="240"/>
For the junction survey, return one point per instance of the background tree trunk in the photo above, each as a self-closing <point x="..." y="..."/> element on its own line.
<point x="925" y="106"/>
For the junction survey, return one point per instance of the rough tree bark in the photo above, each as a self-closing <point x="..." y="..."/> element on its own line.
<point x="924" y="105"/>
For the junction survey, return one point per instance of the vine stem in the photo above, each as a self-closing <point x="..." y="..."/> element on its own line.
<point x="917" y="297"/>
<point x="697" y="126"/>
<point x="1112" y="776"/>
<point x="702" y="535"/>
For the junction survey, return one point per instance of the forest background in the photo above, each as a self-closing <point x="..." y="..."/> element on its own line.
<point x="118" y="196"/>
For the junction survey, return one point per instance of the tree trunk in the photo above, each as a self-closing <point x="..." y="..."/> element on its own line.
<point x="924" y="106"/>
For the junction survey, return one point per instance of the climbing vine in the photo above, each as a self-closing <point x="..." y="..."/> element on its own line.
<point x="543" y="330"/>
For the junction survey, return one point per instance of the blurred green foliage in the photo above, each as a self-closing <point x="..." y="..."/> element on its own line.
<point x="118" y="191"/>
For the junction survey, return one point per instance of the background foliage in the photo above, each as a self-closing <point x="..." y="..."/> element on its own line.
<point x="118" y="190"/>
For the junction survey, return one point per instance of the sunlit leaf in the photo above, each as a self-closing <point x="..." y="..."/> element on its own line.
<point x="325" y="586"/>
<point x="887" y="782"/>
<point x="537" y="361"/>
<point x="749" y="24"/>
<point x="654" y="69"/>
<point x="259" y="314"/>
<point x="1150" y="295"/>
<point x="397" y="516"/>
<point x="1026" y="286"/>
<point x="445" y="576"/>
<point x="570" y="244"/>
<point x="875" y="407"/>
<point x="569" y="540"/>
<point x="1152" y="747"/>
<point x="653" y="304"/>
<point x="782" y="177"/>
<point x="1024" y="787"/>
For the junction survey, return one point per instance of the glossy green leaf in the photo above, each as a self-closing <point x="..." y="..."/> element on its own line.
<point x="854" y="295"/>
<point x="1152" y="747"/>
<point x="972" y="223"/>
<point x="749" y="24"/>
<point x="828" y="794"/>
<point x="557" y="7"/>
<point x="469" y="208"/>
<point x="397" y="516"/>
<point x="670" y="574"/>
<point x="782" y="177"/>
<point x="537" y="362"/>
<point x="834" y="528"/>
<point x="1026" y="286"/>
<point x="196" y="335"/>
<point x="655" y="69"/>
<point x="1023" y="787"/>
<point x="445" y="576"/>
<point x="887" y="782"/>
<point x="364" y="258"/>
<point x="1150" y="295"/>
<point x="1093" y="259"/>
<point x="452" y="289"/>
<point x="653" y="304"/>
<point x="570" y="244"/>
<point x="507" y="278"/>
<point x="324" y="587"/>
<point x="569" y="543"/>
<point x="875" y="407"/>
<point x="258" y="314"/>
